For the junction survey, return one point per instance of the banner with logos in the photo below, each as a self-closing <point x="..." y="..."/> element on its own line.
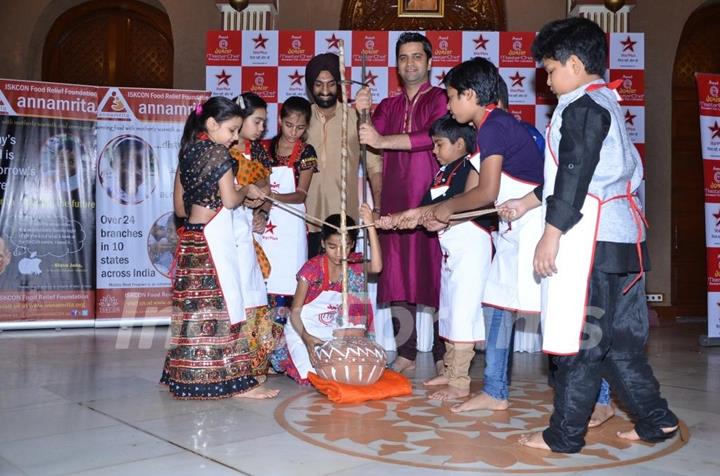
<point x="138" y="133"/>
<point x="47" y="201"/>
<point x="708" y="86"/>
<point x="272" y="65"/>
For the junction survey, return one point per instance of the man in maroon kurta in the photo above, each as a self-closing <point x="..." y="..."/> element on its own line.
<point x="400" y="125"/>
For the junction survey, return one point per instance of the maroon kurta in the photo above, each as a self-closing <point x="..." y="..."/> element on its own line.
<point x="411" y="259"/>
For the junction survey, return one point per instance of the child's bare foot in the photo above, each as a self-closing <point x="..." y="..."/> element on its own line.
<point x="402" y="364"/>
<point x="481" y="401"/>
<point x="633" y="436"/>
<point x="259" y="393"/>
<point x="450" y="393"/>
<point x="534" y="440"/>
<point x="439" y="380"/>
<point x="601" y="414"/>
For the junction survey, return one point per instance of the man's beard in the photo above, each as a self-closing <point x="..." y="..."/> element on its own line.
<point x="326" y="101"/>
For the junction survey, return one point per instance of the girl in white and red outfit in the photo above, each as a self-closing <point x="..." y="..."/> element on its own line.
<point x="318" y="298"/>
<point x="285" y="237"/>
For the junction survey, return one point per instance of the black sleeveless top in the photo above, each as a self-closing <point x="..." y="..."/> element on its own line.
<point x="200" y="171"/>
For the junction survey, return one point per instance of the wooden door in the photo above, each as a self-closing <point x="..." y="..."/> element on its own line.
<point x="110" y="43"/>
<point x="698" y="51"/>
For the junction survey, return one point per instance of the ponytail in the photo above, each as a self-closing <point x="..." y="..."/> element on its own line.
<point x="218" y="107"/>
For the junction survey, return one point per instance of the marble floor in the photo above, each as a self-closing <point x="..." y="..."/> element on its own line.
<point x="87" y="402"/>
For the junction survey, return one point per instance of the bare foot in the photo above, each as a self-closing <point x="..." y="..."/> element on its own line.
<point x="481" y="401"/>
<point x="601" y="414"/>
<point x="633" y="436"/>
<point x="402" y="364"/>
<point x="259" y="393"/>
<point x="450" y="393"/>
<point x="534" y="440"/>
<point x="439" y="380"/>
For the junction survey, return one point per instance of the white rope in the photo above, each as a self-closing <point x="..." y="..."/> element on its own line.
<point x="343" y="182"/>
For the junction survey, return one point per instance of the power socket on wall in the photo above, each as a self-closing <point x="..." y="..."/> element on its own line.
<point x="655" y="297"/>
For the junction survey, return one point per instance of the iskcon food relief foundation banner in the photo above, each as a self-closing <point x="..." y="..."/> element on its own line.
<point x="47" y="202"/>
<point x="138" y="134"/>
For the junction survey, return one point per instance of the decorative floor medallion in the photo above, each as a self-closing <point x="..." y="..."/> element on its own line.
<point x="415" y="431"/>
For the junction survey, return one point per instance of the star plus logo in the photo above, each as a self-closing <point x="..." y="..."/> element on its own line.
<point x="270" y="228"/>
<point x="630" y="118"/>
<point x="370" y="78"/>
<point x="223" y="78"/>
<point x="333" y="42"/>
<point x="296" y="78"/>
<point x="715" y="129"/>
<point x="481" y="43"/>
<point x="440" y="77"/>
<point x="717" y="218"/>
<point x="517" y="79"/>
<point x="260" y="42"/>
<point x="628" y="44"/>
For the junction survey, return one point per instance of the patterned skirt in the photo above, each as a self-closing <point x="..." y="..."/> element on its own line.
<point x="208" y="357"/>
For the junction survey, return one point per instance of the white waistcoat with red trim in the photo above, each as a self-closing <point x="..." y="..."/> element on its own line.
<point x="619" y="165"/>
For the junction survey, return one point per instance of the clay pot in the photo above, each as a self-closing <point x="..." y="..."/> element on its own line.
<point x="351" y="359"/>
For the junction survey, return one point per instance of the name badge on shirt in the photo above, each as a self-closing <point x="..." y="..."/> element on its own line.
<point x="436" y="192"/>
<point x="475" y="162"/>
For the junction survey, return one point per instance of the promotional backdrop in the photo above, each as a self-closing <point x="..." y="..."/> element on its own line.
<point x="86" y="183"/>
<point x="47" y="201"/>
<point x="708" y="86"/>
<point x="138" y="133"/>
<point x="272" y="65"/>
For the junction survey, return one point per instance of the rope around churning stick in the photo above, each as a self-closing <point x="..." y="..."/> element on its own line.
<point x="296" y="212"/>
<point x="318" y="221"/>
<point x="473" y="214"/>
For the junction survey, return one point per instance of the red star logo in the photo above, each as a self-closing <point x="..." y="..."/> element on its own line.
<point x="270" y="228"/>
<point x="517" y="80"/>
<point x="296" y="78"/>
<point x="628" y="44"/>
<point x="629" y="118"/>
<point x="715" y="129"/>
<point x="260" y="41"/>
<point x="440" y="77"/>
<point x="480" y="43"/>
<point x="717" y="218"/>
<point x="370" y="78"/>
<point x="223" y="78"/>
<point x="333" y="41"/>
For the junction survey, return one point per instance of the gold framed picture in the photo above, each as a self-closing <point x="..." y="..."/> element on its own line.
<point x="421" y="8"/>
